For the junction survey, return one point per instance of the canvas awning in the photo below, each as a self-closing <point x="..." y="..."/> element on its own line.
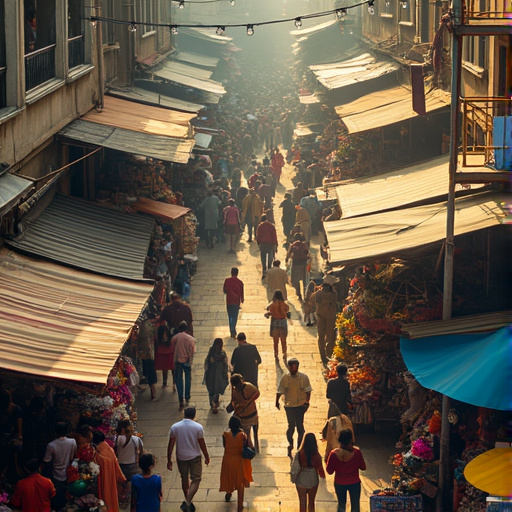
<point x="472" y="368"/>
<point x="130" y="115"/>
<point x="491" y="472"/>
<point x="353" y="71"/>
<point x="304" y="32"/>
<point x="190" y="81"/>
<point x="395" y="189"/>
<point x="362" y="239"/>
<point x="57" y="322"/>
<point x="186" y="69"/>
<point x="91" y="237"/>
<point x="142" y="95"/>
<point x="12" y="188"/>
<point x="386" y="107"/>
<point x="165" y="211"/>
<point x="309" y="99"/>
<point x="197" y="59"/>
<point x="168" y="149"/>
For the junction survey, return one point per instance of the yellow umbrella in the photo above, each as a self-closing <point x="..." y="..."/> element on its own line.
<point x="491" y="472"/>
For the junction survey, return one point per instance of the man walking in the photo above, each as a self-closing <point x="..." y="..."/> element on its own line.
<point x="338" y="392"/>
<point x="184" y="346"/>
<point x="326" y="306"/>
<point x="296" y="388"/>
<point x="188" y="437"/>
<point x="234" y="290"/>
<point x="252" y="209"/>
<point x="276" y="279"/>
<point x="288" y="216"/>
<point x="266" y="236"/>
<point x="245" y="360"/>
<point x="59" y="455"/>
<point x="210" y="207"/>
<point x="298" y="252"/>
<point x="177" y="311"/>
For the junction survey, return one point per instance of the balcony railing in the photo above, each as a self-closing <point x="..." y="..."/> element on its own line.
<point x="3" y="87"/>
<point x="478" y="11"/>
<point x="39" y="67"/>
<point x="478" y="123"/>
<point x="76" y="51"/>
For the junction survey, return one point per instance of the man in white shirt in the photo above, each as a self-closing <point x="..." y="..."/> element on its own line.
<point x="59" y="455"/>
<point x="276" y="279"/>
<point x="296" y="388"/>
<point x="184" y="346"/>
<point x="188" y="437"/>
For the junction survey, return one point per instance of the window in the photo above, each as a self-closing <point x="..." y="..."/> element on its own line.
<point x="39" y="22"/>
<point x="474" y="50"/>
<point x="407" y="9"/>
<point x="75" y="33"/>
<point x="3" y="58"/>
<point x="146" y="14"/>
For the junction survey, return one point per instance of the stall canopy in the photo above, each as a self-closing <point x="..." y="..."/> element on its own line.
<point x="205" y="34"/>
<point x="491" y="472"/>
<point x="188" y="80"/>
<point x="165" y="211"/>
<point x="141" y="95"/>
<point x="386" y="107"/>
<point x="472" y="368"/>
<point x="57" y="322"/>
<point x="396" y="189"/>
<point x="359" y="69"/>
<point x="91" y="237"/>
<point x="197" y="59"/>
<point x="186" y="69"/>
<point x="12" y="188"/>
<point x="369" y="237"/>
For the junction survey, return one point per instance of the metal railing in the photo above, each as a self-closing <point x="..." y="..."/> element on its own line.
<point x="39" y="67"/>
<point x="76" y="51"/>
<point x="478" y="114"/>
<point x="476" y="10"/>
<point x="3" y="87"/>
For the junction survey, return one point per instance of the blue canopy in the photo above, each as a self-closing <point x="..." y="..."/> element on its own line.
<point x="472" y="368"/>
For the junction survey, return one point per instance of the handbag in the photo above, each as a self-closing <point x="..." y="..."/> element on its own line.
<point x="295" y="469"/>
<point x="248" y="452"/>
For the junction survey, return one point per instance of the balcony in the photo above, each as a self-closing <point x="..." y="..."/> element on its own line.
<point x="477" y="12"/>
<point x="39" y="67"/>
<point x="76" y="51"/>
<point x="484" y="142"/>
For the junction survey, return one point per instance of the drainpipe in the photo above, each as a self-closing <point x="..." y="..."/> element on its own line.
<point x="443" y="500"/>
<point x="99" y="56"/>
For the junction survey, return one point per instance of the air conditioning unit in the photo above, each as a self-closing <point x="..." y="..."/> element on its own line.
<point x="502" y="141"/>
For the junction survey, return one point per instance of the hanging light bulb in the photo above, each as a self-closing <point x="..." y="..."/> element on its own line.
<point x="231" y="2"/>
<point x="250" y="30"/>
<point x="132" y="27"/>
<point x="341" y="13"/>
<point x="182" y="4"/>
<point x="388" y="3"/>
<point x="220" y="30"/>
<point x="94" y="23"/>
<point x="371" y="8"/>
<point x="404" y="4"/>
<point x="298" y="22"/>
<point x="174" y="31"/>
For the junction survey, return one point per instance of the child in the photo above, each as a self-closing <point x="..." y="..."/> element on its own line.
<point x="147" y="487"/>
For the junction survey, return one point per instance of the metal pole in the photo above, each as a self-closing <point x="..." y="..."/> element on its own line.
<point x="99" y="55"/>
<point x="444" y="502"/>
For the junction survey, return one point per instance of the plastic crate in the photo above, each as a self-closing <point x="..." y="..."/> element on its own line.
<point x="401" y="503"/>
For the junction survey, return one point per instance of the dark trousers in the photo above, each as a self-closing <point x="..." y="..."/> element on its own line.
<point x="267" y="256"/>
<point x="251" y="226"/>
<point x="233" y="310"/>
<point x="59" y="500"/>
<point x="295" y="418"/>
<point x="183" y="371"/>
<point x="354" y="490"/>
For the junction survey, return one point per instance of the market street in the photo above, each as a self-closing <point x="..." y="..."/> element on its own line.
<point x="271" y="489"/>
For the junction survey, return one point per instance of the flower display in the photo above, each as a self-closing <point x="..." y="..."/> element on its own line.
<point x="422" y="449"/>
<point x="434" y="425"/>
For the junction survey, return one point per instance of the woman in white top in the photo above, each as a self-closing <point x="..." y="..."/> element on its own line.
<point x="128" y="448"/>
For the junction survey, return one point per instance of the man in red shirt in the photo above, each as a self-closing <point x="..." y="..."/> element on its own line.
<point x="234" y="290"/>
<point x="266" y="236"/>
<point x="33" y="493"/>
<point x="176" y="312"/>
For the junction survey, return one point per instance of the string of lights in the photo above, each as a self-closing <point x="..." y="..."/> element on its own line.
<point x="340" y="13"/>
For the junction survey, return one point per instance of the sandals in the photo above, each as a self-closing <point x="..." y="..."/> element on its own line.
<point x="227" y="497"/>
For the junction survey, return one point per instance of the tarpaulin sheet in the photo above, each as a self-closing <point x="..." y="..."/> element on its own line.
<point x="471" y="368"/>
<point x="163" y="210"/>
<point x="12" y="188"/>
<point x="57" y="322"/>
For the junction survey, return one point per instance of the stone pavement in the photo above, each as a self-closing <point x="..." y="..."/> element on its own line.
<point x="272" y="489"/>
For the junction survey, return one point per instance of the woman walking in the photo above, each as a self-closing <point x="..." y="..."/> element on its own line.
<point x="164" y="354"/>
<point x="216" y="373"/>
<point x="278" y="312"/>
<point x="345" y="462"/>
<point x="231" y="216"/>
<point x="236" y="472"/>
<point x="311" y="468"/>
<point x="243" y="399"/>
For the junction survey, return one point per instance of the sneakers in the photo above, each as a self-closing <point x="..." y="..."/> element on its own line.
<point x="184" y="507"/>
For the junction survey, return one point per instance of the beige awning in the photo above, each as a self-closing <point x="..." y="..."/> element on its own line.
<point x="366" y="238"/>
<point x="130" y="115"/>
<point x="190" y="81"/>
<point x="395" y="189"/>
<point x="186" y="69"/>
<point x="387" y="107"/>
<point x="57" y="322"/>
<point x="197" y="59"/>
<point x="163" y="210"/>
<point x="311" y="30"/>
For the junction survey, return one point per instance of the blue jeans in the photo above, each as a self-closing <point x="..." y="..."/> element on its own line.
<point x="354" y="491"/>
<point x="267" y="256"/>
<point x="183" y="370"/>
<point x="233" y="310"/>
